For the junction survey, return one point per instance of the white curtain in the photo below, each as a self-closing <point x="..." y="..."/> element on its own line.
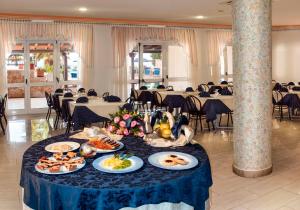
<point x="81" y="36"/>
<point x="125" y="38"/>
<point x="217" y="40"/>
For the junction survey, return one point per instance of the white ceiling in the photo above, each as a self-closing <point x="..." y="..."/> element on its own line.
<point x="285" y="12"/>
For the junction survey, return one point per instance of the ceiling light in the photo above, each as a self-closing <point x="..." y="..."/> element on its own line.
<point x="82" y="9"/>
<point x="200" y="17"/>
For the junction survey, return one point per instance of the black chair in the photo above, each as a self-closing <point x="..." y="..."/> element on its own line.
<point x="105" y="94"/>
<point x="134" y="99"/>
<point x="291" y="84"/>
<point x="210" y="83"/>
<point x="194" y="109"/>
<point x="59" y="90"/>
<point x="296" y="88"/>
<point x="143" y="88"/>
<point x="4" y="108"/>
<point x="189" y="89"/>
<point x="66" y="114"/>
<point x="170" y="88"/>
<point x="161" y="87"/>
<point x="81" y="90"/>
<point x="82" y="100"/>
<point x="2" y="104"/>
<point x="92" y="92"/>
<point x="49" y="103"/>
<point x="68" y="94"/>
<point x="203" y="87"/>
<point x="278" y="105"/>
<point x="57" y="108"/>
<point x="158" y="102"/>
<point x="224" y="83"/>
<point x="127" y="106"/>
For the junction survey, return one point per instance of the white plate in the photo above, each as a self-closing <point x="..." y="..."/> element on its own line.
<point x="136" y="163"/>
<point x="105" y="150"/>
<point x="63" y="170"/>
<point x="156" y="158"/>
<point x="73" y="145"/>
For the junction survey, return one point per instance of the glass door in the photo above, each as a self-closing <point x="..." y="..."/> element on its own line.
<point x="15" y="76"/>
<point x="149" y="70"/>
<point x="41" y="74"/>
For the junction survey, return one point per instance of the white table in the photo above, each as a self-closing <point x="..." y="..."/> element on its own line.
<point x="61" y="98"/>
<point x="100" y="107"/>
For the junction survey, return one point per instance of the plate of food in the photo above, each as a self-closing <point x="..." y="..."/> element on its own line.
<point x="104" y="144"/>
<point x="173" y="160"/>
<point x="118" y="163"/>
<point x="63" y="146"/>
<point x="60" y="164"/>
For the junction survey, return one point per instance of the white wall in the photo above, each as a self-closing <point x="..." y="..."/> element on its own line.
<point x="286" y="56"/>
<point x="102" y="74"/>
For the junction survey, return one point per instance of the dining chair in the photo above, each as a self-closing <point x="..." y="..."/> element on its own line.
<point x="57" y="108"/>
<point x="224" y="83"/>
<point x="66" y="114"/>
<point x="194" y="110"/>
<point x="68" y="94"/>
<point x="278" y="104"/>
<point x="59" y="90"/>
<point x="105" y="94"/>
<point x="189" y="89"/>
<point x="161" y="87"/>
<point x="210" y="83"/>
<point x="2" y="114"/>
<point x="158" y="102"/>
<point x="81" y="90"/>
<point x="4" y="107"/>
<point x="203" y="87"/>
<point x="92" y="92"/>
<point x="143" y="88"/>
<point x="49" y="100"/>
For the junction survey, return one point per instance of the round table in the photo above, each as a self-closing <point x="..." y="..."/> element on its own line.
<point x="89" y="188"/>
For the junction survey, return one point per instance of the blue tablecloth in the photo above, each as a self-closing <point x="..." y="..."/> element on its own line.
<point x="83" y="116"/>
<point x="89" y="189"/>
<point x="174" y="101"/>
<point x="212" y="107"/>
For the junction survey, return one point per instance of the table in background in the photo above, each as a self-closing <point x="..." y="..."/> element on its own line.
<point x="89" y="188"/>
<point x="99" y="107"/>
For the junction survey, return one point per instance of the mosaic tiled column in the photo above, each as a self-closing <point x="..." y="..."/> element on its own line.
<point x="252" y="47"/>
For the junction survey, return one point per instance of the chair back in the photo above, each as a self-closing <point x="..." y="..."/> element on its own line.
<point x="203" y="87"/>
<point x="105" y="94"/>
<point x="1" y="106"/>
<point x="82" y="99"/>
<point x="170" y="88"/>
<point x="157" y="98"/>
<point x="161" y="87"/>
<point x="48" y="99"/>
<point x="134" y="94"/>
<point x="296" y="88"/>
<point x="189" y="89"/>
<point x="56" y="104"/>
<point x="5" y="101"/>
<point x="81" y="90"/>
<point x="193" y="104"/>
<point x="277" y="96"/>
<point x="210" y="83"/>
<point x="92" y="92"/>
<point x="143" y="88"/>
<point x="65" y="109"/>
<point x="68" y="94"/>
<point x="291" y="84"/>
<point x="224" y="83"/>
<point x="59" y="90"/>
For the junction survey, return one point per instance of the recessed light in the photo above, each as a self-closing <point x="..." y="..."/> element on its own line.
<point x="82" y="9"/>
<point x="200" y="17"/>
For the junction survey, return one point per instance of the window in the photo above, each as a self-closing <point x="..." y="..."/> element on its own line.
<point x="226" y="64"/>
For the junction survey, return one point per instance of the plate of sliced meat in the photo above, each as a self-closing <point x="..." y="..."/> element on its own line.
<point x="104" y="144"/>
<point x="60" y="164"/>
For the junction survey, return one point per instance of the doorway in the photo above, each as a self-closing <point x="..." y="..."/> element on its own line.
<point x="36" y="67"/>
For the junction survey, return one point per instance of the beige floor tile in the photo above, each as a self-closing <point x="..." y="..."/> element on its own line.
<point x="271" y="201"/>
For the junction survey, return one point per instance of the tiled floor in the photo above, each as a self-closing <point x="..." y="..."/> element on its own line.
<point x="278" y="191"/>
